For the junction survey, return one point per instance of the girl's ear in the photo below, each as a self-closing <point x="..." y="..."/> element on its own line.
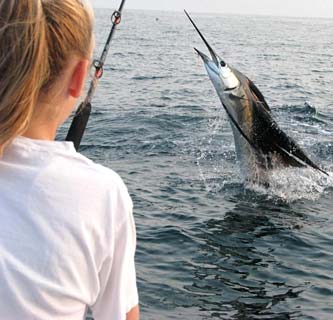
<point x="78" y="78"/>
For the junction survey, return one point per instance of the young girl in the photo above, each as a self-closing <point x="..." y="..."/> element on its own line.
<point x="67" y="236"/>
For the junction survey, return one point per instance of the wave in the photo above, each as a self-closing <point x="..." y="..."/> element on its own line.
<point x="141" y="78"/>
<point x="307" y="108"/>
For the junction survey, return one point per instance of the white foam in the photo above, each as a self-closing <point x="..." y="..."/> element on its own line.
<point x="293" y="184"/>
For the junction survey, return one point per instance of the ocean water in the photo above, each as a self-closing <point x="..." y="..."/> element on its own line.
<point x="209" y="247"/>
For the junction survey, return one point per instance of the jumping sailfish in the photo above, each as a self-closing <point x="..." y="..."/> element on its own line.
<point x="260" y="143"/>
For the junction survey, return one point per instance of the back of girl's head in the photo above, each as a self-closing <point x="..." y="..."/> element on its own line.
<point x="37" y="39"/>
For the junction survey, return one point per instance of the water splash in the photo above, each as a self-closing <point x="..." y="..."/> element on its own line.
<point x="292" y="184"/>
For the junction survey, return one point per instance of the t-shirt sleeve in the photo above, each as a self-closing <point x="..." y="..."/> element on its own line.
<point x="118" y="291"/>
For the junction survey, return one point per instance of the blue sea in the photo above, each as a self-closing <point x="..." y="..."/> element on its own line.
<point x="209" y="247"/>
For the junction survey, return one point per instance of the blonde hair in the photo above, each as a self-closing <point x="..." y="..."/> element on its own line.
<point x="37" y="38"/>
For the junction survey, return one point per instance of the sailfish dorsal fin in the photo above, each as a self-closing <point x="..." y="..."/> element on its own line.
<point x="258" y="94"/>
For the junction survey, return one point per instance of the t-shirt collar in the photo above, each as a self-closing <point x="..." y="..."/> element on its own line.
<point x="47" y="145"/>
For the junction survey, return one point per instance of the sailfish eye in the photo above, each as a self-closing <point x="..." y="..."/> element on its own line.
<point x="223" y="64"/>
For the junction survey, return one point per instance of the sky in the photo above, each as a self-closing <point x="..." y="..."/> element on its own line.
<point x="296" y="8"/>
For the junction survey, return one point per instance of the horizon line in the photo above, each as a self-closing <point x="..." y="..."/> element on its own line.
<point x="227" y="13"/>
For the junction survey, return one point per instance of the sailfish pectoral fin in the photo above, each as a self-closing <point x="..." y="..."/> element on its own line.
<point x="238" y="127"/>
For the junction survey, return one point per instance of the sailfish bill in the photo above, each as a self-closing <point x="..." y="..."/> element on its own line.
<point x="260" y="143"/>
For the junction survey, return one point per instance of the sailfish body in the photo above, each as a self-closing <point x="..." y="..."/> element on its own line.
<point x="260" y="143"/>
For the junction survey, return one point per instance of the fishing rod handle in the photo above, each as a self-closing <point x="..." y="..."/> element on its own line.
<point x="79" y="124"/>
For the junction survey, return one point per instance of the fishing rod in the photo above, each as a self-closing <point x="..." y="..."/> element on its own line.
<point x="83" y="112"/>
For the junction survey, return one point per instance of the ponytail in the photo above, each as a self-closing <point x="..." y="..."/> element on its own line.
<point x="37" y="38"/>
<point x="23" y="64"/>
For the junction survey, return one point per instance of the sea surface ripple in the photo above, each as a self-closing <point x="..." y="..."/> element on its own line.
<point x="208" y="246"/>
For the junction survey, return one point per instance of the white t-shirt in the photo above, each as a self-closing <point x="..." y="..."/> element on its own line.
<point x="67" y="235"/>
